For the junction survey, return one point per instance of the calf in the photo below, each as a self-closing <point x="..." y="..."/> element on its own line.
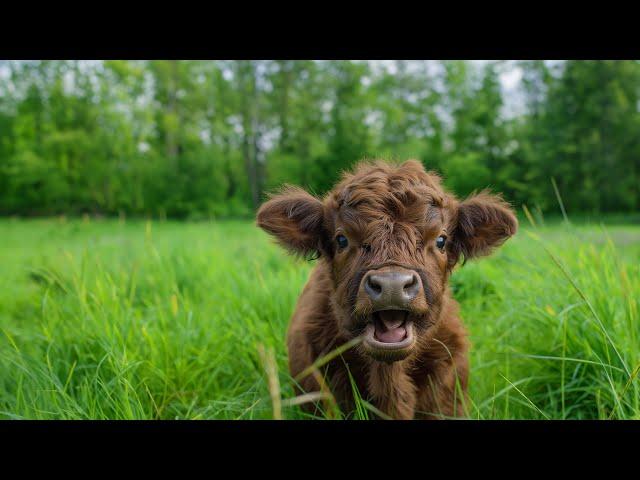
<point x="387" y="238"/>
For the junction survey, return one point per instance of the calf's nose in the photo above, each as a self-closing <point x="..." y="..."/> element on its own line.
<point x="392" y="289"/>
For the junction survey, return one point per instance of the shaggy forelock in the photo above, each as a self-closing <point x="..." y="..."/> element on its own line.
<point x="383" y="202"/>
<point x="400" y="192"/>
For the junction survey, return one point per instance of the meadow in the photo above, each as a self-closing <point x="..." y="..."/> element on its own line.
<point x="134" y="319"/>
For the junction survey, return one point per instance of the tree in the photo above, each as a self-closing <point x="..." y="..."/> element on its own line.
<point x="209" y="139"/>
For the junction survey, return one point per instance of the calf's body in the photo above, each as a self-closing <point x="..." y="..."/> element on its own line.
<point x="431" y="383"/>
<point x="387" y="239"/>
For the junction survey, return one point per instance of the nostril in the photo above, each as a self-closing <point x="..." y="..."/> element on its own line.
<point x="410" y="283"/>
<point x="412" y="286"/>
<point x="373" y="287"/>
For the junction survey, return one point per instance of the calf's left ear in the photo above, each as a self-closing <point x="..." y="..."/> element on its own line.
<point x="484" y="222"/>
<point x="296" y="219"/>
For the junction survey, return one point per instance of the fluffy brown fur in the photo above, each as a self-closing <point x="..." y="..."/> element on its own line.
<point x="391" y="215"/>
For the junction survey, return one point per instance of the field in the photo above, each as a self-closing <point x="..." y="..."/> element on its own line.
<point x="144" y="319"/>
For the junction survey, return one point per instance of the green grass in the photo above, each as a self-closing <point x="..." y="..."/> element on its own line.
<point x="102" y="319"/>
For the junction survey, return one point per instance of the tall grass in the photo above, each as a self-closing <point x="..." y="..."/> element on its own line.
<point x="114" y="319"/>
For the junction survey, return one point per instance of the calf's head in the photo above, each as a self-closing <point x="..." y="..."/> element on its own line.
<point x="390" y="236"/>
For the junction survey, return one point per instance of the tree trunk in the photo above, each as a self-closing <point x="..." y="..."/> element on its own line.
<point x="172" y="107"/>
<point x="247" y="79"/>
<point x="286" y="75"/>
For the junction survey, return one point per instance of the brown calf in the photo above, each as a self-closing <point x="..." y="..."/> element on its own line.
<point x="387" y="238"/>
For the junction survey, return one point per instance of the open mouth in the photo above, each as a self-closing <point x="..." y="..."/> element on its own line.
<point x="389" y="330"/>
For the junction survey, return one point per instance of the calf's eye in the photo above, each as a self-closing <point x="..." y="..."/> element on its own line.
<point x="342" y="241"/>
<point x="440" y="241"/>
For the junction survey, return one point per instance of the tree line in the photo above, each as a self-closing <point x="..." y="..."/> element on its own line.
<point x="207" y="139"/>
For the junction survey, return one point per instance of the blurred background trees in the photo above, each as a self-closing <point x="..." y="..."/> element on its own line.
<point x="202" y="139"/>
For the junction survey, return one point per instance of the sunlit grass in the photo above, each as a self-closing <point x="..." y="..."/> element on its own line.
<point x="109" y="319"/>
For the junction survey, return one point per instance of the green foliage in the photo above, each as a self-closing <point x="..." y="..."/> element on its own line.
<point x="476" y="172"/>
<point x="133" y="319"/>
<point x="202" y="139"/>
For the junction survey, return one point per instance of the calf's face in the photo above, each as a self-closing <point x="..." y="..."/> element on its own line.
<point x="391" y="236"/>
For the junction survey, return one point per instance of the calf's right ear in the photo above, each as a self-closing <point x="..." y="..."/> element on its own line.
<point x="296" y="219"/>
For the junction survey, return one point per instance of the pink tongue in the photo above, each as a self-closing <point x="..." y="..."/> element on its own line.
<point x="391" y="336"/>
<point x="392" y="329"/>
